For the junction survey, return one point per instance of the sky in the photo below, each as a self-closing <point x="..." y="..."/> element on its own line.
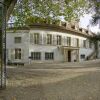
<point x="85" y="21"/>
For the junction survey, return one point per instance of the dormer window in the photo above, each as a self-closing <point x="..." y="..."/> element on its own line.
<point x="87" y="31"/>
<point x="80" y="29"/>
<point x="73" y="26"/>
<point x="63" y="24"/>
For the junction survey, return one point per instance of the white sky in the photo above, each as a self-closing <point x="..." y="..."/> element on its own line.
<point x="85" y="21"/>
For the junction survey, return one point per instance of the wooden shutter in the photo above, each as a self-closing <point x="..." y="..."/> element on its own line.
<point x="54" y="39"/>
<point x="62" y="40"/>
<point x="12" y="52"/>
<point x="44" y="39"/>
<point x="65" y="41"/>
<point x="73" y="42"/>
<point x="22" y="54"/>
<point x="31" y="38"/>
<point x="40" y="38"/>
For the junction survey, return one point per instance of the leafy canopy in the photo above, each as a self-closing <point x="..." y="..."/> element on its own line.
<point x="29" y="11"/>
<point x="96" y="8"/>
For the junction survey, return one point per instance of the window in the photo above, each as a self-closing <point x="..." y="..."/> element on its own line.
<point x="17" y="39"/>
<point x="84" y="43"/>
<point x="36" y="55"/>
<point x="73" y="26"/>
<point x="17" y="53"/>
<point x="87" y="31"/>
<point x="68" y="41"/>
<point x="63" y="24"/>
<point x="82" y="56"/>
<point x="58" y="40"/>
<point x="80" y="29"/>
<point x="36" y="38"/>
<point x="49" y="39"/>
<point x="49" y="56"/>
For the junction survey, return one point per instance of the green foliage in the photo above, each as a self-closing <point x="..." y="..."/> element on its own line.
<point x="30" y="11"/>
<point x="96" y="16"/>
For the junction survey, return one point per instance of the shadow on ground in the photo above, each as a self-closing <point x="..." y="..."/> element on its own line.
<point x="83" y="87"/>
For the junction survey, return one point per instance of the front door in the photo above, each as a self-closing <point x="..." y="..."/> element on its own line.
<point x="69" y="55"/>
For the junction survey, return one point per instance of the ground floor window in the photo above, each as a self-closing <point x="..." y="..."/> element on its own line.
<point x="49" y="56"/>
<point x="82" y="56"/>
<point x="36" y="55"/>
<point x="17" y="53"/>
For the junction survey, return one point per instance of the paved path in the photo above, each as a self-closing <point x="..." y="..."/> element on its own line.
<point x="56" y="81"/>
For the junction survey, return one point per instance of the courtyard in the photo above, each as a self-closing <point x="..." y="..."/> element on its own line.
<point x="53" y="81"/>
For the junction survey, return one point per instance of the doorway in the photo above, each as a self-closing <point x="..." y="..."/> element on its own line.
<point x="69" y="55"/>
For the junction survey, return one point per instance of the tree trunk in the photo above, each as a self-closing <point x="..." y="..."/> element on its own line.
<point x="10" y="6"/>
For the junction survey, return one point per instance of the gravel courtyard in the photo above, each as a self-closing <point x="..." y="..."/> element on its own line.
<point x="53" y="81"/>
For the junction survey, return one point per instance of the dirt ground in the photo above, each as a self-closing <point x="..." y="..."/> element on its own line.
<point x="53" y="81"/>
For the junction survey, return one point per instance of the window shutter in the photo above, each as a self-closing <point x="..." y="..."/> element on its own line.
<point x="72" y="41"/>
<point x="12" y="54"/>
<point x="63" y="40"/>
<point x="40" y="38"/>
<point x="81" y="43"/>
<point x="86" y="43"/>
<point x="44" y="39"/>
<point x="31" y="38"/>
<point x="8" y="54"/>
<point x="22" y="54"/>
<point x="54" y="40"/>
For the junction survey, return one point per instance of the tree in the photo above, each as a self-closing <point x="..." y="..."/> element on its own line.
<point x="28" y="11"/>
<point x="95" y="5"/>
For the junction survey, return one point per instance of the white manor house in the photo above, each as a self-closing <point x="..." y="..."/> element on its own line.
<point x="49" y="43"/>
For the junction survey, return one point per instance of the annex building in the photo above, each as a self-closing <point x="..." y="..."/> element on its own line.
<point x="49" y="43"/>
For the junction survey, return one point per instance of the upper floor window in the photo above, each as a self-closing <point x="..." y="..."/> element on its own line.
<point x="84" y="43"/>
<point x="17" y="53"/>
<point x="58" y="40"/>
<point x="73" y="26"/>
<point x="49" y="39"/>
<point x="17" y="39"/>
<point x="63" y="24"/>
<point x="36" y="38"/>
<point x="68" y="41"/>
<point x="80" y="29"/>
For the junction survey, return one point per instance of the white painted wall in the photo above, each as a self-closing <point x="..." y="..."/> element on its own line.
<point x="99" y="49"/>
<point x="38" y="48"/>
<point x="28" y="47"/>
<point x="85" y="51"/>
<point x="74" y="56"/>
<point x="11" y="46"/>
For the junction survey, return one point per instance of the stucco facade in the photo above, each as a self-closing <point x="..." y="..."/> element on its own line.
<point x="98" y="49"/>
<point x="78" y="50"/>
